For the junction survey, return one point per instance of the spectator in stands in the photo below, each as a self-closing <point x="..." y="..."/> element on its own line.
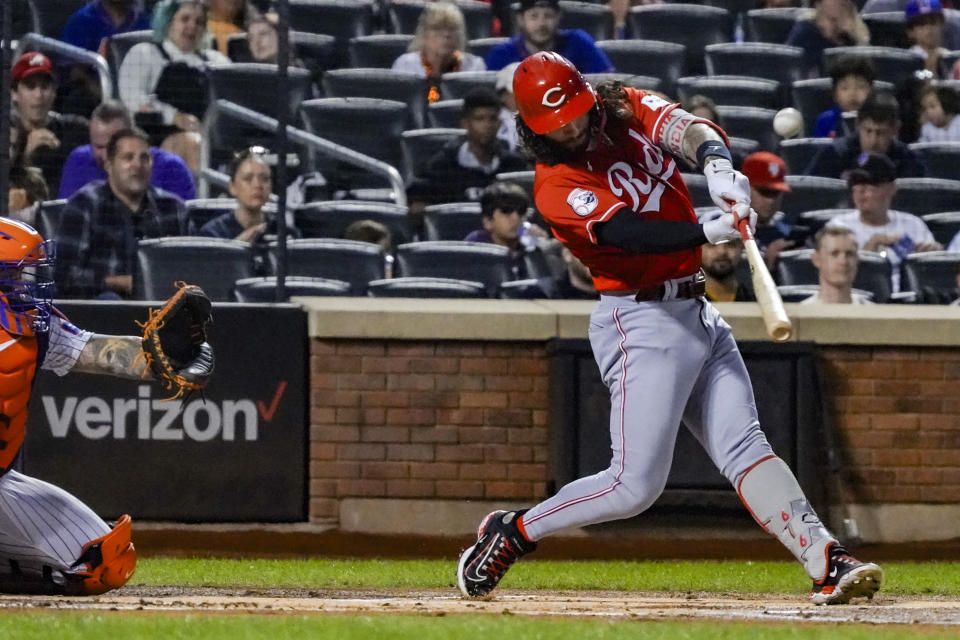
<point x="438" y="47"/>
<point x="166" y="78"/>
<point x="941" y="123"/>
<point x="226" y="18"/>
<point x="97" y="21"/>
<point x="262" y="39"/>
<point x="503" y="207"/>
<point x="766" y="172"/>
<point x="250" y="184"/>
<point x="719" y="263"/>
<point x="539" y="23"/>
<point x="703" y="107"/>
<point x="508" y="106"/>
<point x="45" y="137"/>
<point x="86" y="163"/>
<point x="460" y="171"/>
<point x="878" y="123"/>
<point x="833" y="23"/>
<point x="875" y="226"/>
<point x="101" y="223"/>
<point x="375" y="233"/>
<point x="852" y="80"/>
<point x="575" y="283"/>
<point x="27" y="190"/>
<point x="925" y="30"/>
<point x="836" y="260"/>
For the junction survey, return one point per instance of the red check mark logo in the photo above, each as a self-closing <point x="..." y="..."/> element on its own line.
<point x="267" y="412"/>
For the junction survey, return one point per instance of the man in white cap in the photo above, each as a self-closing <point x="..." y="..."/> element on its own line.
<point x="508" y="112"/>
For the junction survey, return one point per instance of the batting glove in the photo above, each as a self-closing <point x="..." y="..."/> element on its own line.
<point x="721" y="229"/>
<point x="746" y="211"/>
<point x="727" y="187"/>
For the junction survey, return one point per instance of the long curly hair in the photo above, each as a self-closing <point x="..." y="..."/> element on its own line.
<point x="611" y="110"/>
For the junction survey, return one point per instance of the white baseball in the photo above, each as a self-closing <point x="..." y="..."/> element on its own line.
<point x="788" y="122"/>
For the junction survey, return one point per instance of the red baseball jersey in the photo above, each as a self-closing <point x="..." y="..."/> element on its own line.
<point x="634" y="172"/>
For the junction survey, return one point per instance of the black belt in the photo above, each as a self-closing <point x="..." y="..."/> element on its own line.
<point x="693" y="288"/>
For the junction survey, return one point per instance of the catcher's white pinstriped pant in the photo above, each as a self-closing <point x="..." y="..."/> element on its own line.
<point x="662" y="361"/>
<point x="41" y="524"/>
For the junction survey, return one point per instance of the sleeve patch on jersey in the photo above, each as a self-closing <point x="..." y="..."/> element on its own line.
<point x="582" y="202"/>
<point x="654" y="102"/>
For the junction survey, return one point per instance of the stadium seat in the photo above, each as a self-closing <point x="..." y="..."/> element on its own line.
<point x="212" y="263"/>
<point x="941" y="159"/>
<point x="264" y="289"/>
<point x="317" y="51"/>
<point x="814" y="96"/>
<point x="233" y="82"/>
<point x="665" y="60"/>
<point x="757" y="59"/>
<point x="892" y="65"/>
<point x="403" y="16"/>
<point x="920" y="196"/>
<point x="480" y="46"/>
<point x="367" y="125"/>
<point x="378" y="50"/>
<point x="480" y="262"/>
<point x="343" y="20"/>
<point x="697" y="185"/>
<point x="735" y="91"/>
<point x="593" y="18"/>
<point x="815" y="219"/>
<point x="457" y="84"/>
<point x="771" y="25"/>
<point x="527" y="289"/>
<point x="873" y="274"/>
<point x="932" y="275"/>
<point x="522" y="178"/>
<point x="48" y="217"/>
<point x="451" y="221"/>
<point x="202" y="210"/>
<point x="944" y="225"/>
<point x="887" y="29"/>
<point x="800" y="292"/>
<point x="330" y="218"/>
<point x="813" y="192"/>
<point x="120" y="43"/>
<point x="420" y="145"/>
<point x="348" y="260"/>
<point x="798" y="152"/>
<point x="693" y="26"/>
<point x="52" y="16"/>
<point x="384" y="84"/>
<point x="648" y="83"/>
<point x="740" y="148"/>
<point x="419" y="287"/>
<point x="444" y="114"/>
<point x="754" y="123"/>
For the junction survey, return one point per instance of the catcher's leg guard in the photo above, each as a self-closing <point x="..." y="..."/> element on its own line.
<point x="106" y="563"/>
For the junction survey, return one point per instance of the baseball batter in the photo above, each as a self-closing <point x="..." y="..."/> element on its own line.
<point x="50" y="542"/>
<point x="608" y="184"/>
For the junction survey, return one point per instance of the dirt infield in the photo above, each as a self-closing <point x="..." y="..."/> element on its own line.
<point x="610" y="605"/>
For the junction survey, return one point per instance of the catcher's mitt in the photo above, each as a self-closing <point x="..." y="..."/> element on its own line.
<point x="175" y="341"/>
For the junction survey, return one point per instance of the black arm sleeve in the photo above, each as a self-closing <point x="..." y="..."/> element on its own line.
<point x="626" y="230"/>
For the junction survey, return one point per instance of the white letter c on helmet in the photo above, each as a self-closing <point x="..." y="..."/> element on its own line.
<point x="555" y="103"/>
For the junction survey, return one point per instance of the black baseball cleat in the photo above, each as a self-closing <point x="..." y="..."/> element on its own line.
<point x="846" y="578"/>
<point x="499" y="544"/>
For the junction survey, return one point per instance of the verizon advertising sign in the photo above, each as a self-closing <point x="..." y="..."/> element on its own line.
<point x="237" y="453"/>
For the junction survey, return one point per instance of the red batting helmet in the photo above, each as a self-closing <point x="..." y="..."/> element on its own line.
<point x="550" y="92"/>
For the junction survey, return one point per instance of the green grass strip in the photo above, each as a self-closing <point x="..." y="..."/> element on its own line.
<point x="902" y="578"/>
<point x="83" y="626"/>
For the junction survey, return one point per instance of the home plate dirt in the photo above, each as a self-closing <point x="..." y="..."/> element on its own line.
<point x="702" y="606"/>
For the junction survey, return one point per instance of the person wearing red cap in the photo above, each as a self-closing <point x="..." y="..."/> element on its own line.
<point x="608" y="183"/>
<point x="46" y="137"/>
<point x="766" y="172"/>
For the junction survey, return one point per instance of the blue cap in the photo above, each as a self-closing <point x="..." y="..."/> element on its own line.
<point x="921" y="8"/>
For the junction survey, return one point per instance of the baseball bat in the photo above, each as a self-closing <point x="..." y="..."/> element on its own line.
<point x="775" y="317"/>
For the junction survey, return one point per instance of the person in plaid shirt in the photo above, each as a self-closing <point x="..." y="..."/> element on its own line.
<point x="101" y="224"/>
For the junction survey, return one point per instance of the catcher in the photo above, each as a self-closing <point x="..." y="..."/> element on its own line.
<point x="50" y="542"/>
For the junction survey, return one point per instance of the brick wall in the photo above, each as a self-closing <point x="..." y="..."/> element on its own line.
<point x="409" y="419"/>
<point x="897" y="413"/>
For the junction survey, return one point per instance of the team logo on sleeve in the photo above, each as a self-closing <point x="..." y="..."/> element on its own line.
<point x="654" y="102"/>
<point x="582" y="202"/>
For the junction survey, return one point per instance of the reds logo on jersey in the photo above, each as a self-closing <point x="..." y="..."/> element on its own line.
<point x="644" y="182"/>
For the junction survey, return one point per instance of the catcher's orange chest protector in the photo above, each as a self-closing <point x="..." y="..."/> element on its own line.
<point x="18" y="363"/>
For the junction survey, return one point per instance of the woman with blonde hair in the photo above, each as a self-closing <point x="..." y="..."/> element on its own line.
<point x="831" y="23"/>
<point x="438" y="47"/>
